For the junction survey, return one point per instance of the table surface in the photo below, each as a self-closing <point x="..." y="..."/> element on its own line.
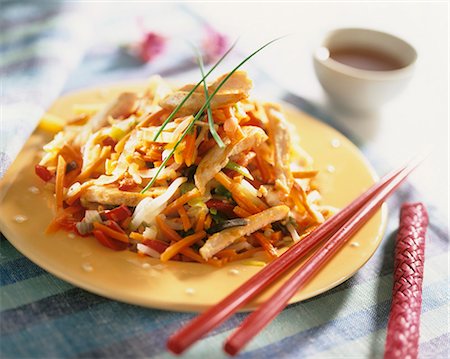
<point x="348" y="321"/>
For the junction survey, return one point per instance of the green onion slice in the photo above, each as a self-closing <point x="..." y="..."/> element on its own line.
<point x="239" y="169"/>
<point x="213" y="131"/>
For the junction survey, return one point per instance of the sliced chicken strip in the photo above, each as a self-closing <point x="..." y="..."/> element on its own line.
<point x="211" y="164"/>
<point x="109" y="195"/>
<point x="281" y="141"/>
<point x="223" y="239"/>
<point x="253" y="137"/>
<point x="235" y="89"/>
<point x="217" y="158"/>
<point x="125" y="105"/>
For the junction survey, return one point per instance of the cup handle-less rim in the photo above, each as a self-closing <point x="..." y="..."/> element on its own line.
<point x="356" y="73"/>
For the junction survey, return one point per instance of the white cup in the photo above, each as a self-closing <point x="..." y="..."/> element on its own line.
<point x="362" y="90"/>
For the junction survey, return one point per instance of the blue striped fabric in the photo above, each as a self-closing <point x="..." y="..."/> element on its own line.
<point x="40" y="44"/>
<point x="44" y="317"/>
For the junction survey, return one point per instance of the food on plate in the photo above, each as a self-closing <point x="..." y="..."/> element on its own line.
<point x="147" y="172"/>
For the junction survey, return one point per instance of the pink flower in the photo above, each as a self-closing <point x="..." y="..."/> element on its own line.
<point x="214" y="44"/>
<point x="151" y="46"/>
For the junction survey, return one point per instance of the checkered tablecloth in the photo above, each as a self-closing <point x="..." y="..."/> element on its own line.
<point x="51" y="47"/>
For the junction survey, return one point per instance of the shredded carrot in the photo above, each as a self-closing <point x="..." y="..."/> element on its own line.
<point x="238" y="178"/>
<point x="244" y="202"/>
<point x="218" y="262"/>
<point x="264" y="168"/>
<point x="184" y="218"/>
<point x="63" y="217"/>
<point x="227" y="111"/>
<point x="168" y="232"/>
<point x="232" y="129"/>
<point x="208" y="221"/>
<point x="237" y="194"/>
<point x="59" y="184"/>
<point x="183" y="199"/>
<point x="265" y="243"/>
<point x="121" y="144"/>
<point x="111" y="232"/>
<point x="70" y="200"/>
<point x="226" y="253"/>
<point x="149" y="120"/>
<point x="190" y="253"/>
<point x="154" y="154"/>
<point x="201" y="221"/>
<point x="300" y="200"/>
<point x="276" y="237"/>
<point x="88" y="171"/>
<point x="304" y="174"/>
<point x="189" y="149"/>
<point x="73" y="209"/>
<point x="54" y="225"/>
<point x="137" y="236"/>
<point x="175" y="248"/>
<point x="224" y="180"/>
<point x="241" y="212"/>
<point x="253" y="204"/>
<point x="70" y="153"/>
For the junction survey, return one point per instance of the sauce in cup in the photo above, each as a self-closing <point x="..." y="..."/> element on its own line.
<point x="366" y="59"/>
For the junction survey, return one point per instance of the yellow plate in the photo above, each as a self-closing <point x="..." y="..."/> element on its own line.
<point x="130" y="278"/>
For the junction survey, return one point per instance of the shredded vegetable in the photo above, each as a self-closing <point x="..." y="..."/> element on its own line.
<point x="149" y="174"/>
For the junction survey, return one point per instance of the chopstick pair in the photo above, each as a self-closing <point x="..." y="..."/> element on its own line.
<point x="337" y="230"/>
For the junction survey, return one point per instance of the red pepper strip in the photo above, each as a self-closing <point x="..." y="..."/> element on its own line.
<point x="67" y="223"/>
<point x="156" y="245"/>
<point x="265" y="243"/>
<point x="160" y="247"/>
<point x="109" y="242"/>
<point x="112" y="233"/>
<point x="127" y="184"/>
<point x="108" y="141"/>
<point x="223" y="207"/>
<point x="402" y="340"/>
<point x="43" y="173"/>
<point x="114" y="226"/>
<point x="118" y="214"/>
<point x="66" y="219"/>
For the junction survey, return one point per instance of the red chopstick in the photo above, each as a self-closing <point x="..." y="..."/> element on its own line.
<point x="257" y="320"/>
<point x="217" y="314"/>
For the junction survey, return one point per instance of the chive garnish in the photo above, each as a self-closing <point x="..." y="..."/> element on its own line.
<point x="177" y="108"/>
<point x="200" y="112"/>
<point x="212" y="129"/>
